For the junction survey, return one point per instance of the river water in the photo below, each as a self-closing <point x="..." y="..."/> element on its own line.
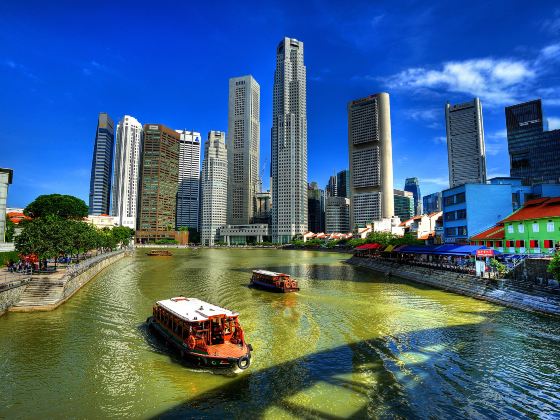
<point x="350" y="344"/>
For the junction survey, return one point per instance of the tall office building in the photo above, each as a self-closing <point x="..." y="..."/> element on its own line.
<point x="404" y="204"/>
<point x="243" y="148"/>
<point x="343" y="183"/>
<point x="533" y="150"/>
<point x="188" y="193"/>
<point x="101" y="166"/>
<point x="315" y="208"/>
<point x="465" y="143"/>
<point x="331" y="189"/>
<point x="214" y="187"/>
<point x="371" y="159"/>
<point x="413" y="185"/>
<point x="6" y="176"/>
<point x="126" y="174"/>
<point x="289" y="143"/>
<point x="432" y="203"/>
<point x="158" y="183"/>
<point x="337" y="215"/>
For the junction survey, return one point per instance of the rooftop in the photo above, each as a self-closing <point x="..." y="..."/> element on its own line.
<point x="193" y="310"/>
<point x="269" y="273"/>
<point x="495" y="232"/>
<point x="537" y="209"/>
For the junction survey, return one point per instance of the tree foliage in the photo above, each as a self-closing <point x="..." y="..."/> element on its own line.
<point x="10" y="230"/>
<point x="64" y="206"/>
<point x="554" y="266"/>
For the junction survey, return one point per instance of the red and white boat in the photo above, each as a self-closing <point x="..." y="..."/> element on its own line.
<point x="275" y="282"/>
<point x="207" y="334"/>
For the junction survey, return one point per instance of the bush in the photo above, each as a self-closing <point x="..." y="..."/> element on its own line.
<point x="554" y="266"/>
<point x="7" y="257"/>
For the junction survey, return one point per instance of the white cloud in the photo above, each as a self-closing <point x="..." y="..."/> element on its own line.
<point x="424" y="114"/>
<point x="440" y="140"/>
<point x="495" y="142"/>
<point x="20" y="68"/>
<point x="439" y="181"/>
<point x="553" y="123"/>
<point x="552" y="25"/>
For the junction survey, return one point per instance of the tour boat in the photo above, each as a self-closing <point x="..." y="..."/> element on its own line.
<point x="276" y="282"/>
<point x="207" y="334"/>
<point x="159" y="253"/>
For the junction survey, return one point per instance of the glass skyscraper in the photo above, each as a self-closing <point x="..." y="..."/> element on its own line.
<point x="413" y="185"/>
<point x="343" y="183"/>
<point x="101" y="166"/>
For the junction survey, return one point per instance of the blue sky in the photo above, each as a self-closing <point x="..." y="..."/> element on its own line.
<point x="61" y="63"/>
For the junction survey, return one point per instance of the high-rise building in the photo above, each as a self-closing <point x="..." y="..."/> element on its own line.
<point x="331" y="190"/>
<point x="533" y="150"/>
<point x="158" y="183"/>
<point x="6" y="176"/>
<point x="289" y="143"/>
<point x="101" y="166"/>
<point x="343" y="183"/>
<point x="315" y="208"/>
<point x="465" y="143"/>
<point x="404" y="204"/>
<point x="371" y="159"/>
<point x="188" y="193"/>
<point x="214" y="188"/>
<point x="432" y="203"/>
<point x="243" y="148"/>
<point x="264" y="208"/>
<point x="413" y="185"/>
<point x="337" y="215"/>
<point x="126" y="174"/>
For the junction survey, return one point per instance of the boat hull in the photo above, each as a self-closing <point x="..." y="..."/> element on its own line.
<point x="197" y="357"/>
<point x="271" y="288"/>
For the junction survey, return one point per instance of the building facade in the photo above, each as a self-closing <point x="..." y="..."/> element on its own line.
<point x="158" y="183"/>
<point x="404" y="204"/>
<point x="6" y="176"/>
<point x="465" y="143"/>
<point x="371" y="159"/>
<point x="332" y="189"/>
<point x="101" y="166"/>
<point x="533" y="150"/>
<point x="214" y="188"/>
<point x="315" y="208"/>
<point x="289" y="143"/>
<point x="188" y="192"/>
<point x="343" y="183"/>
<point x="244" y="234"/>
<point x="264" y="208"/>
<point x="413" y="185"/>
<point x="126" y="174"/>
<point x="432" y="203"/>
<point x="337" y="215"/>
<point x="243" y="147"/>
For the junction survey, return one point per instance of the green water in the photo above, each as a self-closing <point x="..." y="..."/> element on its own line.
<point x="351" y="343"/>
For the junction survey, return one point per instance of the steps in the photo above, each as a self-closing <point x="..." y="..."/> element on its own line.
<point x="41" y="291"/>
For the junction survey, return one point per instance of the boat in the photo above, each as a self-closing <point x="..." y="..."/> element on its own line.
<point x="159" y="253"/>
<point x="276" y="282"/>
<point x="207" y="334"/>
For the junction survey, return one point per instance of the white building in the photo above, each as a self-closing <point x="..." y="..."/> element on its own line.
<point x="289" y="143"/>
<point x="214" y="187"/>
<point x="103" y="221"/>
<point x="243" y="149"/>
<point x="465" y="143"/>
<point x="188" y="192"/>
<point x="127" y="171"/>
<point x="371" y="160"/>
<point x="337" y="215"/>
<point x="6" y="176"/>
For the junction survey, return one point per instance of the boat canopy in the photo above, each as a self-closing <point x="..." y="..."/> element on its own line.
<point x="269" y="273"/>
<point x="194" y="310"/>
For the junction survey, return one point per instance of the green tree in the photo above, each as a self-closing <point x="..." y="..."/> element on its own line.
<point x="10" y="230"/>
<point x="65" y="206"/>
<point x="42" y="237"/>
<point x="122" y="235"/>
<point x="554" y="266"/>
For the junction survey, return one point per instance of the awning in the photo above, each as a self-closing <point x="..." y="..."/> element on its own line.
<point x="365" y="247"/>
<point x="448" y="250"/>
<point x="389" y="248"/>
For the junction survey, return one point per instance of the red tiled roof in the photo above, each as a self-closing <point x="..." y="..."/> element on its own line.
<point x="495" y="232"/>
<point x="537" y="209"/>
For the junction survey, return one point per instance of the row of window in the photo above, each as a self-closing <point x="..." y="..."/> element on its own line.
<point x="535" y="227"/>
<point x="455" y="199"/>
<point x="533" y="243"/>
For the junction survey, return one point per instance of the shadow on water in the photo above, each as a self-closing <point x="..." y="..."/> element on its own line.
<point x="440" y="372"/>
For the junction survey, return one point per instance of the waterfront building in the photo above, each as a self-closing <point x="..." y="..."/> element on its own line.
<point x="533" y="150"/>
<point x="188" y="192"/>
<point x="404" y="204"/>
<point x="315" y="208"/>
<point x="471" y="208"/>
<point x="337" y="215"/>
<point x="6" y="177"/>
<point x="343" y="183"/>
<point x="465" y="143"/>
<point x="243" y="148"/>
<point x="158" y="183"/>
<point x="214" y="188"/>
<point x="289" y="143"/>
<point x="101" y="221"/>
<point x="331" y="189"/>
<point x="264" y="208"/>
<point x="101" y="166"/>
<point x="413" y="185"/>
<point x="371" y="159"/>
<point x="521" y="193"/>
<point x="432" y="202"/>
<point x="126" y="173"/>
<point x="244" y="234"/>
<point x="423" y="226"/>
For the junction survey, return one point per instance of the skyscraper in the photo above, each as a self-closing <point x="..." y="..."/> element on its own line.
<point x="413" y="185"/>
<point x="371" y="159"/>
<point x="101" y="166"/>
<point x="243" y="148"/>
<point x="337" y="215"/>
<point x="214" y="187"/>
<point x="188" y="193"/>
<point x="158" y="183"/>
<point x="404" y="204"/>
<point x="533" y="150"/>
<point x="289" y="143"/>
<point x="6" y="176"/>
<point x="343" y="183"/>
<point x="465" y="143"/>
<point x="316" y="208"/>
<point x="332" y="190"/>
<point x="126" y="174"/>
<point x="432" y="203"/>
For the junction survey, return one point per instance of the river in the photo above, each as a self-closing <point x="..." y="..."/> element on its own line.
<point x="350" y="344"/>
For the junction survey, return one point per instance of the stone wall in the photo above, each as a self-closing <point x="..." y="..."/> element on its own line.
<point x="10" y="293"/>
<point x="532" y="273"/>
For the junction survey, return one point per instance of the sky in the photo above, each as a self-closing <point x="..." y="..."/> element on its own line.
<point x="61" y="63"/>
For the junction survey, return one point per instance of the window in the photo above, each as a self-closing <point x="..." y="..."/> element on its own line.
<point x="520" y="244"/>
<point x="550" y="226"/>
<point x="548" y="243"/>
<point x="510" y="228"/>
<point x="535" y="227"/>
<point x="534" y="243"/>
<point x="489" y="244"/>
<point x="499" y="244"/>
<point x="509" y="244"/>
<point x="450" y="215"/>
<point x="462" y="230"/>
<point x="521" y="228"/>
<point x="462" y="214"/>
<point x="450" y="231"/>
<point x="460" y="198"/>
<point x="481" y="243"/>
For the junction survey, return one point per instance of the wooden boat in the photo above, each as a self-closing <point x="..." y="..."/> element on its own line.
<point x="207" y="334"/>
<point x="275" y="282"/>
<point x="159" y="253"/>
